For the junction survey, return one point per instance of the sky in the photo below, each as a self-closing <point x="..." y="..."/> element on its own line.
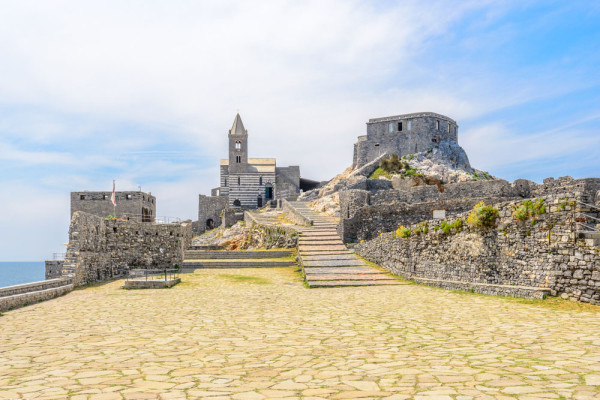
<point x="144" y="92"/>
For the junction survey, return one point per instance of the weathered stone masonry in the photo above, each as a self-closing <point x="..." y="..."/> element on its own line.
<point x="102" y="248"/>
<point x="516" y="254"/>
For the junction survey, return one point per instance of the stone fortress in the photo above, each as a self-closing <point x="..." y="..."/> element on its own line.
<point x="410" y="134"/>
<point x="552" y="251"/>
<point x="135" y="206"/>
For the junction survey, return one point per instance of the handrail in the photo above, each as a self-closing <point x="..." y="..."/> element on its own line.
<point x="589" y="205"/>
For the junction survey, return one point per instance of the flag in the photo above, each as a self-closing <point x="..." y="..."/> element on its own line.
<point x="112" y="197"/>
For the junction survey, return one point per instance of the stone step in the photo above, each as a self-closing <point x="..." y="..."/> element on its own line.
<point x="339" y="270"/>
<point x="350" y="277"/>
<point x="305" y="238"/>
<point x="223" y="254"/>
<point x="334" y="263"/>
<point x="325" y="253"/>
<point x="342" y="283"/>
<point x="237" y="263"/>
<point x="311" y="233"/>
<point x="324" y="247"/>
<point x="343" y="256"/>
<point x="311" y="242"/>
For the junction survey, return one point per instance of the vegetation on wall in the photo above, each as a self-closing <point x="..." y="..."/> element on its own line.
<point x="529" y="209"/>
<point x="483" y="216"/>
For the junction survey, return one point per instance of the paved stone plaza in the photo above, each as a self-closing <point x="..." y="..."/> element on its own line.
<point x="259" y="333"/>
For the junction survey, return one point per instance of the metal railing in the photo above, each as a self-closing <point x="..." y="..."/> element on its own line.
<point x="58" y="256"/>
<point x="153" y="274"/>
<point x="581" y="219"/>
<point x="166" y="220"/>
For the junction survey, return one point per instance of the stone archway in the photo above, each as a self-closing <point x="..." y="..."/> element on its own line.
<point x="210" y="224"/>
<point x="237" y="203"/>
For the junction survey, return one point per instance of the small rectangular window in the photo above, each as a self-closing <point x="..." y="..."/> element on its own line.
<point x="448" y="127"/>
<point x="128" y="197"/>
<point x="105" y="197"/>
<point x="391" y="128"/>
<point x="437" y="124"/>
<point x="400" y="126"/>
<point x="409" y="125"/>
<point x="81" y="197"/>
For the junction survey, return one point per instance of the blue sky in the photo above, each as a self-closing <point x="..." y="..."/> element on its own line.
<point x="144" y="93"/>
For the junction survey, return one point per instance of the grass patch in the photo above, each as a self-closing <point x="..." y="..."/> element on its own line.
<point x="245" y="278"/>
<point x="380" y="172"/>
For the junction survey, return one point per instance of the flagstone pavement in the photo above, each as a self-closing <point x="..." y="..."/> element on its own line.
<point x="259" y="333"/>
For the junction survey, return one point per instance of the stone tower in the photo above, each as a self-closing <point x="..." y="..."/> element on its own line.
<point x="238" y="147"/>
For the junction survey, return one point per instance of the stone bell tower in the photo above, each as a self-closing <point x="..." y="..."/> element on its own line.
<point x="238" y="147"/>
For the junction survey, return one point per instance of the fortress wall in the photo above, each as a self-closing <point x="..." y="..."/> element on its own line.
<point x="515" y="258"/>
<point x="210" y="208"/>
<point x="365" y="215"/>
<point x="101" y="249"/>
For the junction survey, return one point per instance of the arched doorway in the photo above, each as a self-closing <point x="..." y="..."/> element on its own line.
<point x="210" y="224"/>
<point x="268" y="192"/>
<point x="237" y="203"/>
<point x="259" y="201"/>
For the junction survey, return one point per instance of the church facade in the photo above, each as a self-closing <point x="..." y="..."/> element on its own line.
<point x="246" y="183"/>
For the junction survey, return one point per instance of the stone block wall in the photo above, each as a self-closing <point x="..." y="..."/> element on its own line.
<point x="101" y="248"/>
<point x="210" y="209"/>
<point x="545" y="254"/>
<point x="54" y="268"/>
<point x="133" y="205"/>
<point x="366" y="214"/>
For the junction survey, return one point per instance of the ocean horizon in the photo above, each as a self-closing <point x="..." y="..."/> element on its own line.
<point x="19" y="272"/>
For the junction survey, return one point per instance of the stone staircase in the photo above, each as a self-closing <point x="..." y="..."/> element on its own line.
<point x="325" y="260"/>
<point x="200" y="259"/>
<point x="587" y="217"/>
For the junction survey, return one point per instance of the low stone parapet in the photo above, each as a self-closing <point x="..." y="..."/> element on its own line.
<point x="34" y="286"/>
<point x="527" y="292"/>
<point x="37" y="292"/>
<point x="151" y="284"/>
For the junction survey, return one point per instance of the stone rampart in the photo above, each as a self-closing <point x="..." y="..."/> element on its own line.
<point x="366" y="214"/>
<point x="543" y="254"/>
<point x="102" y="248"/>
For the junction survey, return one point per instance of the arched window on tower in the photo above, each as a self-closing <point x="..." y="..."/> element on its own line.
<point x="238" y="145"/>
<point x="260" y="181"/>
<point x="239" y="181"/>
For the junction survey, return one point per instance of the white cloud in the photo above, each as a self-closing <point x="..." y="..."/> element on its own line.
<point x="142" y="91"/>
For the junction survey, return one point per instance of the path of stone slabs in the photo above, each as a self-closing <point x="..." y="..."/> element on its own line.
<point x="259" y="333"/>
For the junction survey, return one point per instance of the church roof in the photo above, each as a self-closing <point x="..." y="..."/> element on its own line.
<point x="238" y="126"/>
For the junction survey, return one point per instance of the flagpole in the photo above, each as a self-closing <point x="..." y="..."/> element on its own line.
<point x="114" y="200"/>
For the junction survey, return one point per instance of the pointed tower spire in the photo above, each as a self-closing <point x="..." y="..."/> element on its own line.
<point x="238" y="126"/>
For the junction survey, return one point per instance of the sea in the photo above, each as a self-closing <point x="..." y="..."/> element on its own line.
<point x="18" y="272"/>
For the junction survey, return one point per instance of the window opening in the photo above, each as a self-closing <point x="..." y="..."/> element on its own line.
<point x="400" y="126"/>
<point x="437" y="124"/>
<point x="391" y="128"/>
<point x="260" y="181"/>
<point x="409" y="125"/>
<point x="239" y="180"/>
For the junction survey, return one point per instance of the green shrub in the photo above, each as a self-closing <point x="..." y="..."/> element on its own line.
<point x="403" y="232"/>
<point x="482" y="216"/>
<point x="521" y="213"/>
